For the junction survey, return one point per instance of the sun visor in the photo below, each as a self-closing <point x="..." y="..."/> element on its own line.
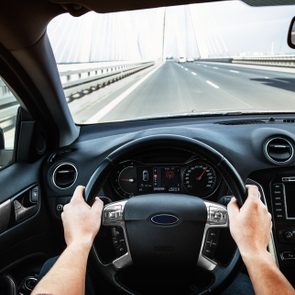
<point x="78" y="7"/>
<point x="269" y="2"/>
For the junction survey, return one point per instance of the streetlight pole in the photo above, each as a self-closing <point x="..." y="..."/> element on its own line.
<point x="164" y="28"/>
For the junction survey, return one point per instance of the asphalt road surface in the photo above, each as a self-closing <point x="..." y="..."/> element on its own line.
<point x="174" y="88"/>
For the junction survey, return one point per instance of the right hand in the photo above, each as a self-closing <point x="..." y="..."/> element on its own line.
<point x="250" y="225"/>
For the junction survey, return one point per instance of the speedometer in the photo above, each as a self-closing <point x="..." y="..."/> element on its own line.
<point x="199" y="178"/>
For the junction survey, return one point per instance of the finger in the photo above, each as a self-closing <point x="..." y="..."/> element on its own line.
<point x="253" y="192"/>
<point x="97" y="206"/>
<point x="78" y="193"/>
<point x="233" y="208"/>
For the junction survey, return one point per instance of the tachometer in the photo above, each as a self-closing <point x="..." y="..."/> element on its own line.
<point x="199" y="178"/>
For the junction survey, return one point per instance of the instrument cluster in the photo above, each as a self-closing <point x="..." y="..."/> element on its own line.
<point x="195" y="177"/>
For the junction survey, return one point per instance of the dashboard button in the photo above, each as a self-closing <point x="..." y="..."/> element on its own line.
<point x="288" y="255"/>
<point x="277" y="190"/>
<point x="59" y="207"/>
<point x="288" y="235"/>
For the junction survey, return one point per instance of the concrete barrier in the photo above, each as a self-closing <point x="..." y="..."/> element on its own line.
<point x="77" y="80"/>
<point x="77" y="83"/>
<point x="274" y="61"/>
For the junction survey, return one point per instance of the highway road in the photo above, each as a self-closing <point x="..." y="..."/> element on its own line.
<point x="174" y="88"/>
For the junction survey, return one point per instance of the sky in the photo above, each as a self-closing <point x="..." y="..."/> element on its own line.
<point x="216" y="29"/>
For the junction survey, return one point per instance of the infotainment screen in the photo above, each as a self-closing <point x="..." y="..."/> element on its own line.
<point x="290" y="199"/>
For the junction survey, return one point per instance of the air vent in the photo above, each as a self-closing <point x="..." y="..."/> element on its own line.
<point x="64" y="175"/>
<point x="279" y="150"/>
<point x="241" y="122"/>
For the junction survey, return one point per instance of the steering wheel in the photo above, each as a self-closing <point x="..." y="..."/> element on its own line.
<point x="164" y="228"/>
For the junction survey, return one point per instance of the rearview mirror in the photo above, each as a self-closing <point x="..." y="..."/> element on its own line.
<point x="291" y="34"/>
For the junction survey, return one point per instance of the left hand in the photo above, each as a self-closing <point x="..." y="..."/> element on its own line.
<point x="80" y="221"/>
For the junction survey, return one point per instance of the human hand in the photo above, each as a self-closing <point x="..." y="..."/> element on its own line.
<point x="250" y="225"/>
<point x="80" y="221"/>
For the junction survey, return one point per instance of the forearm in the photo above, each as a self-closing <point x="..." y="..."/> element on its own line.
<point x="67" y="276"/>
<point x="265" y="276"/>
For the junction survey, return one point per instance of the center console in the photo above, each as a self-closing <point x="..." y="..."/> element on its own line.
<point x="283" y="206"/>
<point x="279" y="194"/>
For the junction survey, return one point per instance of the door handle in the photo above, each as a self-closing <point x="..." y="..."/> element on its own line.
<point x="5" y="212"/>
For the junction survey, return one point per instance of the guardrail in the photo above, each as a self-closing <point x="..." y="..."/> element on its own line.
<point x="77" y="81"/>
<point x="277" y="61"/>
<point x="274" y="61"/>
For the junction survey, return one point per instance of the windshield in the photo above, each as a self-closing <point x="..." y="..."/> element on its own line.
<point x="219" y="57"/>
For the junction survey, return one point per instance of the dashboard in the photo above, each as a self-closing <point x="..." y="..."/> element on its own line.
<point x="261" y="150"/>
<point x="195" y="177"/>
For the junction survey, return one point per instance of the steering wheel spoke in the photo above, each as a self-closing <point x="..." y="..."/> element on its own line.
<point x="113" y="216"/>
<point x="217" y="218"/>
<point x="122" y="261"/>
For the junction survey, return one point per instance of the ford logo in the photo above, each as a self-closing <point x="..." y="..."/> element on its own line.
<point x="164" y="219"/>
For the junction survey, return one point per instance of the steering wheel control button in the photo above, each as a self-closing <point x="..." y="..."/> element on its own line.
<point x="217" y="215"/>
<point x="119" y="241"/>
<point x="113" y="213"/>
<point x="211" y="242"/>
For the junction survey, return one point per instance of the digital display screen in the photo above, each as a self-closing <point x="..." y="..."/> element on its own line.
<point x="158" y="179"/>
<point x="290" y="199"/>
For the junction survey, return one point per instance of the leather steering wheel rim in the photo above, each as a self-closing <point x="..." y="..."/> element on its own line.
<point x="229" y="173"/>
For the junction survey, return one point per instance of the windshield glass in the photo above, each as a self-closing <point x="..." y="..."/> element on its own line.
<point x="219" y="57"/>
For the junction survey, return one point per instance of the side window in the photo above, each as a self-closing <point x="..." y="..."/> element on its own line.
<point x="8" y="112"/>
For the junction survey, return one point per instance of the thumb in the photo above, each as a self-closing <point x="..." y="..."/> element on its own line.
<point x="97" y="206"/>
<point x="233" y="208"/>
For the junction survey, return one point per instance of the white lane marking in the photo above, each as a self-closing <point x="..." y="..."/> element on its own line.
<point x="234" y="71"/>
<point x="193" y="73"/>
<point x="212" y="84"/>
<point x="282" y="81"/>
<point x="266" y="77"/>
<point x="186" y="69"/>
<point x="105" y="110"/>
<point x="205" y="66"/>
<point x="215" y="68"/>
